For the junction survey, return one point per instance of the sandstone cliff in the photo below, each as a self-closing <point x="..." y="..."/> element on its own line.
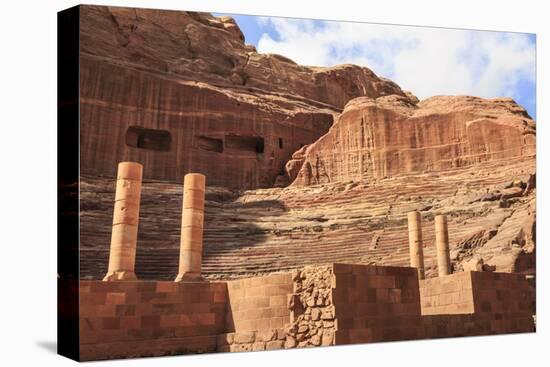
<point x="304" y="165"/>
<point x="182" y="92"/>
<point x="201" y="47"/>
<point x="390" y="136"/>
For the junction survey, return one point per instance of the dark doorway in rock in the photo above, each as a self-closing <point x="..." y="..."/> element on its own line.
<point x="211" y="144"/>
<point x="245" y="144"/>
<point x="280" y="143"/>
<point x="151" y="139"/>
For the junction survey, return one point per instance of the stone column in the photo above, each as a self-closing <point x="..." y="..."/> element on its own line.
<point x="415" y="243"/>
<point x="191" y="227"/>
<point x="442" y="245"/>
<point x="122" y="257"/>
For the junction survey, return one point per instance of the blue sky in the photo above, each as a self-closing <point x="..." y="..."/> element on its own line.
<point x="427" y="61"/>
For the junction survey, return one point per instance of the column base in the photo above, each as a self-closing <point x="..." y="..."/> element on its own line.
<point x="188" y="277"/>
<point x="119" y="276"/>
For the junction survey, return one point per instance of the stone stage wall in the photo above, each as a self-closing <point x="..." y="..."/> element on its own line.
<point x="375" y="303"/>
<point x="476" y="303"/>
<point x="315" y="306"/>
<point x="144" y="318"/>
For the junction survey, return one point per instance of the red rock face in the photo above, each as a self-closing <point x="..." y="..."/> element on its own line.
<point x="181" y="92"/>
<point x="201" y="47"/>
<point x="173" y="128"/>
<point x="390" y="136"/>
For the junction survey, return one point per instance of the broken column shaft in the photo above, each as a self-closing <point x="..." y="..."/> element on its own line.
<point x="191" y="227"/>
<point x="122" y="256"/>
<point x="442" y="245"/>
<point x="415" y="242"/>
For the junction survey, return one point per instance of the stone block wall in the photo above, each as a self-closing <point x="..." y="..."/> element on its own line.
<point x="142" y="318"/>
<point x="258" y="303"/>
<point x="313" y="306"/>
<point x="252" y="341"/>
<point x="375" y="303"/>
<point x="451" y="294"/>
<point x="502" y="293"/>
<point x="313" y="320"/>
<point x="257" y="312"/>
<point x="446" y="326"/>
<point x="309" y="313"/>
<point x="479" y="292"/>
<point x="476" y="303"/>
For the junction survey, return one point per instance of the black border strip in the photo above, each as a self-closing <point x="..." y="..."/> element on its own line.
<point x="68" y="157"/>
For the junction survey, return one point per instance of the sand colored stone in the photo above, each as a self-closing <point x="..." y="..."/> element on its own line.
<point x="374" y="151"/>
<point x="415" y="242"/>
<point x="231" y="100"/>
<point x="442" y="245"/>
<point x="122" y="254"/>
<point x="191" y="227"/>
<point x="377" y="138"/>
<point x="276" y="229"/>
<point x="313" y="306"/>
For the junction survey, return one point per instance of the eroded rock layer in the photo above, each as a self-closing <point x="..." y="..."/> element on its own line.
<point x="491" y="212"/>
<point x="201" y="47"/>
<point x="390" y="136"/>
<point x="303" y="165"/>
<point x="182" y="92"/>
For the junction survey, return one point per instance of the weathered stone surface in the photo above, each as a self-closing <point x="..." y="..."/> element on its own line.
<point x="386" y="155"/>
<point x="275" y="344"/>
<point x="257" y="346"/>
<point x="247" y="121"/>
<point x="328" y="338"/>
<point x="207" y="102"/>
<point x="316" y="340"/>
<point x="244" y="337"/>
<point x="201" y="47"/>
<point x="475" y="264"/>
<point x="266" y="335"/>
<point x="290" y="342"/>
<point x="262" y="231"/>
<point x="390" y="136"/>
<point x="191" y="227"/>
<point x="122" y="255"/>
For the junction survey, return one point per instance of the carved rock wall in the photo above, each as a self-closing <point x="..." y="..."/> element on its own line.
<point x="174" y="128"/>
<point x="217" y="107"/>
<point x="201" y="47"/>
<point x="180" y="92"/>
<point x="263" y="231"/>
<point x="390" y="136"/>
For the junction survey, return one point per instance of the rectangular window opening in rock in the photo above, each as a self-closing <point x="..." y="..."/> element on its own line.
<point x="211" y="144"/>
<point x="280" y="143"/>
<point x="245" y="145"/>
<point x="151" y="139"/>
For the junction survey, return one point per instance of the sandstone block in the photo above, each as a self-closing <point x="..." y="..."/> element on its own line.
<point x="257" y="346"/>
<point x="275" y="344"/>
<point x="266" y="335"/>
<point x="315" y="314"/>
<point x="290" y="342"/>
<point x="244" y="337"/>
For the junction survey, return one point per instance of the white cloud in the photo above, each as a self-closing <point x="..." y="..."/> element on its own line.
<point x="426" y="61"/>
